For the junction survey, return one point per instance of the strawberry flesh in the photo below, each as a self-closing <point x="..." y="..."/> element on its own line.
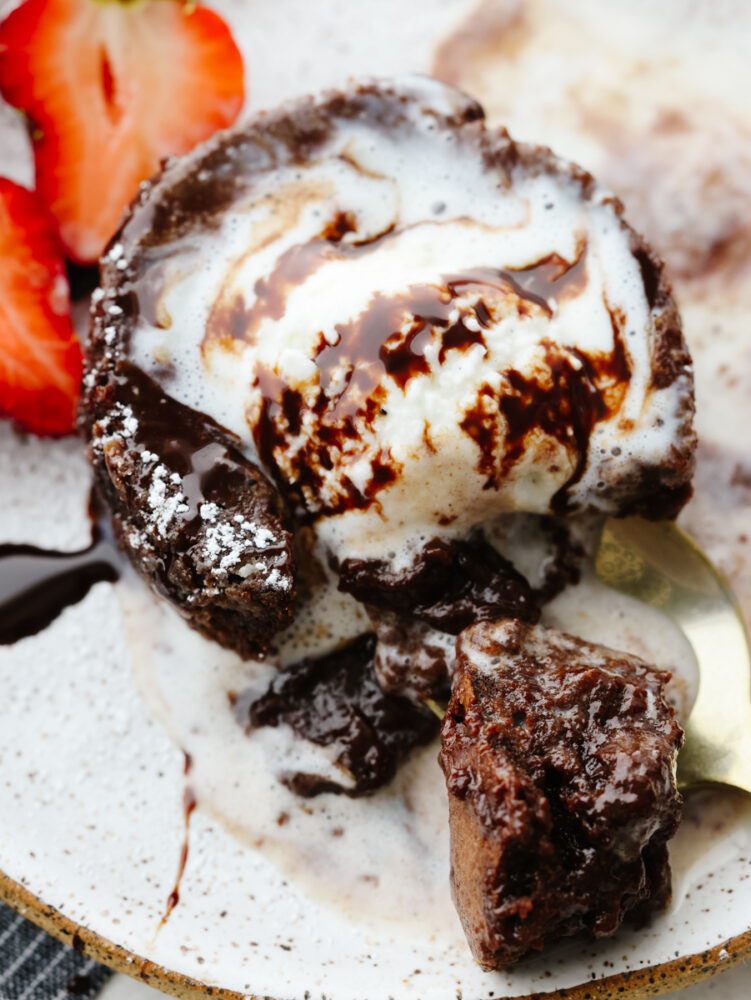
<point x="40" y="358"/>
<point x="111" y="89"/>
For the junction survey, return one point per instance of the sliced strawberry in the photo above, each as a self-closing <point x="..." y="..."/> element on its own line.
<point x="111" y="88"/>
<point x="40" y="359"/>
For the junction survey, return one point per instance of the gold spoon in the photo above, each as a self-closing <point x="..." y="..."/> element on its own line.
<point x="660" y="565"/>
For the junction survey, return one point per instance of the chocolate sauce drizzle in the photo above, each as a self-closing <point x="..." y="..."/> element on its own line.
<point x="36" y="585"/>
<point x="390" y="338"/>
<point x="234" y="320"/>
<point x="189" y="804"/>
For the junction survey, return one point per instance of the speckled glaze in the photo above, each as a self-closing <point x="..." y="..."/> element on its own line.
<point x="92" y="809"/>
<point x="635" y="985"/>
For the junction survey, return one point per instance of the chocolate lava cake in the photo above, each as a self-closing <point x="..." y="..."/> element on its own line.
<point x="368" y="319"/>
<point x="483" y="336"/>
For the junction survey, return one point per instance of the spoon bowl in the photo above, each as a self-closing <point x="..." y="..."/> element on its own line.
<point x="657" y="563"/>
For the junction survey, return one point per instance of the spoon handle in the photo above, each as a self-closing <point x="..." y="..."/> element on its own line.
<point x="657" y="563"/>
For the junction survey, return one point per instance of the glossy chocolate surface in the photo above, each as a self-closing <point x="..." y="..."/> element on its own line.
<point x="196" y="517"/>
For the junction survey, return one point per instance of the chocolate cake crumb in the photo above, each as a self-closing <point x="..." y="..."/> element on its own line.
<point x="411" y="658"/>
<point x="417" y="610"/>
<point x="448" y="586"/>
<point x="335" y="700"/>
<point x="563" y="568"/>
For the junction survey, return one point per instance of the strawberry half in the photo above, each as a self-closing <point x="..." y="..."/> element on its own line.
<point x="40" y="358"/>
<point x="111" y="87"/>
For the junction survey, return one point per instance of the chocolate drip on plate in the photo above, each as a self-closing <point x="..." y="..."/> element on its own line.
<point x="36" y="585"/>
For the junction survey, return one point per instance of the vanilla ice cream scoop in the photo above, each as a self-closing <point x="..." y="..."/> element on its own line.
<point x="411" y="322"/>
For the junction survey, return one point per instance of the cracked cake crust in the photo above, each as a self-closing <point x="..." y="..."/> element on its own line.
<point x="199" y="521"/>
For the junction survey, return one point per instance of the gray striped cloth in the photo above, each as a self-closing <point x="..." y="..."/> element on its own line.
<point x="34" y="966"/>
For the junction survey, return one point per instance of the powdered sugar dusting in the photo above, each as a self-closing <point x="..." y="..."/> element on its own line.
<point x="165" y="501"/>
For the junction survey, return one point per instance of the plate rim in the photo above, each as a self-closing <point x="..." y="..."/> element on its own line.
<point x="635" y="984"/>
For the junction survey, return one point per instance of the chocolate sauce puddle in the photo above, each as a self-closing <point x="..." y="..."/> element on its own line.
<point x="36" y="585"/>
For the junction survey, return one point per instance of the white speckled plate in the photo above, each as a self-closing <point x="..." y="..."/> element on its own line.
<point x="92" y="817"/>
<point x="92" y="824"/>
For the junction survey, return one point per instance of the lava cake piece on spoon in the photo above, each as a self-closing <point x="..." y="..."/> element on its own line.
<point x="559" y="758"/>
